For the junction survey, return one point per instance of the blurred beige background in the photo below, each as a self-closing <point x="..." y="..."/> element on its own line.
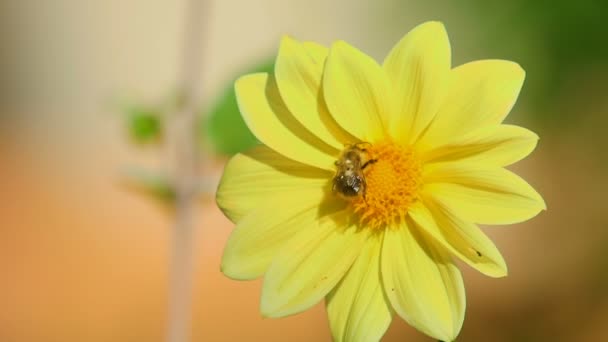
<point x="83" y="259"/>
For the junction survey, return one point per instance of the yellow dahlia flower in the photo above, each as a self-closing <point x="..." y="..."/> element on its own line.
<point x="434" y="148"/>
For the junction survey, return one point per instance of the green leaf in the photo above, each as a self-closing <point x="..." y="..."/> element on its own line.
<point x="144" y="124"/>
<point x="224" y="127"/>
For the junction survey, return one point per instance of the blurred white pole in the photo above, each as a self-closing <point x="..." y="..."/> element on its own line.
<point x="182" y="142"/>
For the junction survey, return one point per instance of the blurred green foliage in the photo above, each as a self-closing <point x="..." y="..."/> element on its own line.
<point x="144" y="124"/>
<point x="554" y="40"/>
<point x="573" y="32"/>
<point x="224" y="128"/>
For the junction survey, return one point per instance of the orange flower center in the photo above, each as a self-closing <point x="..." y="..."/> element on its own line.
<point x="393" y="182"/>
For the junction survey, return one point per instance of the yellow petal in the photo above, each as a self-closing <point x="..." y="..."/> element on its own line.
<point x="499" y="145"/>
<point x="259" y="236"/>
<point x="481" y="93"/>
<point x="310" y="265"/>
<point x="419" y="70"/>
<point x="483" y="195"/>
<point x="298" y="71"/>
<point x="317" y="52"/>
<point x="266" y="116"/>
<point x="259" y="176"/>
<point x="461" y="238"/>
<point x="357" y="308"/>
<point x="423" y="285"/>
<point x="357" y="92"/>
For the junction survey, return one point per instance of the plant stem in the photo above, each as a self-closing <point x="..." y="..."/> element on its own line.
<point x="185" y="164"/>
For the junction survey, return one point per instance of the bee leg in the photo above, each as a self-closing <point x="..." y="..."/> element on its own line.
<point x="369" y="162"/>
<point x="364" y="192"/>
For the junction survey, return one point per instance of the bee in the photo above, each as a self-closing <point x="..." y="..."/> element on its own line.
<point x="349" y="181"/>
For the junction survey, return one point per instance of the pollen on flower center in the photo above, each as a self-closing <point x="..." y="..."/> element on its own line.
<point x="393" y="183"/>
